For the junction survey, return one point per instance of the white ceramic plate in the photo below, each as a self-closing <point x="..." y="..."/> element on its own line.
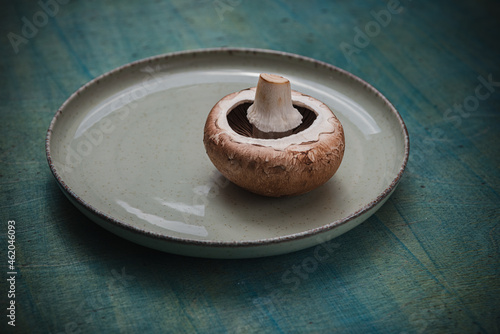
<point x="127" y="150"/>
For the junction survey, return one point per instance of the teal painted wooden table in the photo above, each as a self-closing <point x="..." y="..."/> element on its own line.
<point x="427" y="262"/>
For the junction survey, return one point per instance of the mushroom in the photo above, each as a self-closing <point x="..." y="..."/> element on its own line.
<point x="272" y="140"/>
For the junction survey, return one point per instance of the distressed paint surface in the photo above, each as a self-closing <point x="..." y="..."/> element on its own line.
<point x="428" y="261"/>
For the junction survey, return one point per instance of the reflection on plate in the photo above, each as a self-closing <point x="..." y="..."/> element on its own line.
<point x="127" y="150"/>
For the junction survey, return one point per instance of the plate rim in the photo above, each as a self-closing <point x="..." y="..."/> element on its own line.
<point x="218" y="243"/>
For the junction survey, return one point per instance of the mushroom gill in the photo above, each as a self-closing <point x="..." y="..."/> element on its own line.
<point x="238" y="121"/>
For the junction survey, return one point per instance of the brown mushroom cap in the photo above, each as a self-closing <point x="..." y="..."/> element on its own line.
<point x="287" y="166"/>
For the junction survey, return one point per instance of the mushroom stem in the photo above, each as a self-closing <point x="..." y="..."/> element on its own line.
<point x="272" y="114"/>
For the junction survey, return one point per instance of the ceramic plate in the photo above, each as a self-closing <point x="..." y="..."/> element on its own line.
<point x="127" y="150"/>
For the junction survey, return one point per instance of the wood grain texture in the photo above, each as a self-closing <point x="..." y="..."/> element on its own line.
<point x="427" y="262"/>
